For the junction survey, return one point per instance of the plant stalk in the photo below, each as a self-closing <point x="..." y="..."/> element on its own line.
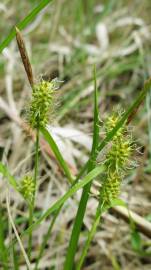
<point x="46" y="237"/>
<point x="32" y="205"/>
<point x="3" y="251"/>
<point x="90" y="237"/>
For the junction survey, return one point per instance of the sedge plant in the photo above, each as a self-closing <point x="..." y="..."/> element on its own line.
<point x="98" y="170"/>
<point x="125" y="118"/>
<point x="116" y="161"/>
<point x="40" y="107"/>
<point x="113" y="168"/>
<point x="39" y="110"/>
<point x="113" y="129"/>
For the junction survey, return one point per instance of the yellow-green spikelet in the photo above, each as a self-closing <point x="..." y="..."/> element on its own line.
<point x="27" y="187"/>
<point x="111" y="122"/>
<point x="110" y="188"/>
<point x="116" y="160"/>
<point x="119" y="154"/>
<point x="41" y="104"/>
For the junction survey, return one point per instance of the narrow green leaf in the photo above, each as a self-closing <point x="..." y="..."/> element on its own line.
<point x="57" y="153"/>
<point x="12" y="181"/>
<point x="21" y="25"/>
<point x="85" y="194"/>
<point x="96" y="128"/>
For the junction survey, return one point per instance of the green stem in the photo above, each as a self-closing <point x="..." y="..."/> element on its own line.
<point x="3" y="251"/>
<point x="79" y="216"/>
<point x="46" y="237"/>
<point x="77" y="228"/>
<point x="15" y="258"/>
<point x="90" y="237"/>
<point x="32" y="205"/>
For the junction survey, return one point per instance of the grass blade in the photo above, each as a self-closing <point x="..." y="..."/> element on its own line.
<point x="21" y="25"/>
<point x="57" y="153"/>
<point x="85" y="194"/>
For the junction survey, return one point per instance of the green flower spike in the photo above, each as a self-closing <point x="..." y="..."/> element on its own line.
<point x="116" y="160"/>
<point x="27" y="188"/>
<point x="119" y="154"/>
<point x="41" y="105"/>
<point x="110" y="188"/>
<point x="111" y="122"/>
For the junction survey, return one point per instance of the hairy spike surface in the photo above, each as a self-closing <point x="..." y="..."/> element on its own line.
<point x="116" y="160"/>
<point x="27" y="187"/>
<point x="42" y="104"/>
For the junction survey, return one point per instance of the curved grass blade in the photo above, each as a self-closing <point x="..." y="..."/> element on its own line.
<point x="57" y="153"/>
<point x="21" y="25"/>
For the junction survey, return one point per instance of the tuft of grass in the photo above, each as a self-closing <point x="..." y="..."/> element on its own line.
<point x="99" y="169"/>
<point x="129" y="114"/>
